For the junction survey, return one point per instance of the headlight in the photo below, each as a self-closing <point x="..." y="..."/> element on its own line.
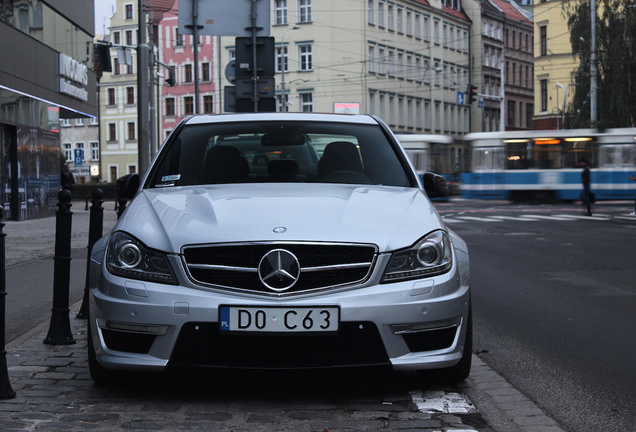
<point x="430" y="256"/>
<point x="127" y="257"/>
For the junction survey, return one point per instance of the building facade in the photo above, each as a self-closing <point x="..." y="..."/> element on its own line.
<point x="175" y="83"/>
<point x="46" y="74"/>
<point x="519" y="66"/>
<point x="405" y="61"/>
<point x="554" y="63"/>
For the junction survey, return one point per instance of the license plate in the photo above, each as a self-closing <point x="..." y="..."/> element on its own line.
<point x="279" y="319"/>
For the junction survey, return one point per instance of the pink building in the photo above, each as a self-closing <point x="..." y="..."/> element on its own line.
<point x="176" y="51"/>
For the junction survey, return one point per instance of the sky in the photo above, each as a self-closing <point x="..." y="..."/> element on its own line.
<point x="103" y="12"/>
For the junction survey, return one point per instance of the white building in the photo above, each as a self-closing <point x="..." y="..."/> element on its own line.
<point x="404" y="60"/>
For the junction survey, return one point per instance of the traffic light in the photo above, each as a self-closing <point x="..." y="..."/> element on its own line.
<point x="102" y="51"/>
<point x="470" y="93"/>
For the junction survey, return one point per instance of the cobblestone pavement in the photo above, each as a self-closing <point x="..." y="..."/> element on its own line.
<point x="54" y="390"/>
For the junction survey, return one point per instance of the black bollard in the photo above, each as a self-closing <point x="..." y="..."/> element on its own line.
<point x="60" y="327"/>
<point x="95" y="229"/>
<point x="6" y="392"/>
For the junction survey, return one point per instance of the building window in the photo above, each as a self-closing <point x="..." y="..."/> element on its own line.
<point x="306" y="102"/>
<point x="208" y="104"/>
<point x="112" y="132"/>
<point x="130" y="95"/>
<point x="304" y="11"/>
<point x="79" y="122"/>
<point x="371" y="11"/>
<point x="400" y="20"/>
<point x="94" y="150"/>
<point x="116" y="38"/>
<point x="205" y="72"/>
<point x="282" y="59"/>
<point x="543" y="32"/>
<point x="305" y="57"/>
<point x="112" y="170"/>
<point x="131" y="131"/>
<point x="178" y="38"/>
<point x="280" y="11"/>
<point x="512" y="113"/>
<point x="381" y="14"/>
<point x="128" y="11"/>
<point x="187" y="73"/>
<point x="129" y="37"/>
<point x="116" y="67"/>
<point x="544" y="95"/>
<point x="390" y="18"/>
<point x="529" y="115"/>
<point x="372" y="65"/>
<point x="68" y="152"/>
<point x="93" y="121"/>
<point x="170" y="112"/>
<point x="188" y="105"/>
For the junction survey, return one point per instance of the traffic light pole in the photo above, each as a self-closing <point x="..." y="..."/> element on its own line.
<point x="254" y="58"/>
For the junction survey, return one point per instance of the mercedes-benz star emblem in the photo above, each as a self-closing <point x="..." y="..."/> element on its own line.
<point x="279" y="270"/>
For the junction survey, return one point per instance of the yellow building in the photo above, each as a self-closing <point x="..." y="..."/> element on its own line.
<point x="554" y="64"/>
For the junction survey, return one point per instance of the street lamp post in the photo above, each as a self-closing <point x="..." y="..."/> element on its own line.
<point x="283" y="66"/>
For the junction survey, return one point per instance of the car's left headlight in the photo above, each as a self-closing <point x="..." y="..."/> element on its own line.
<point x="428" y="257"/>
<point x="129" y="258"/>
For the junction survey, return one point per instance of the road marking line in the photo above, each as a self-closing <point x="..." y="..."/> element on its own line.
<point x="555" y="218"/>
<point x="450" y="220"/>
<point x="475" y="218"/>
<point x="514" y="218"/>
<point x="584" y="217"/>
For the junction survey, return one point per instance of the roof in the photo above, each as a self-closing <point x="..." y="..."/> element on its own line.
<point x="511" y="12"/>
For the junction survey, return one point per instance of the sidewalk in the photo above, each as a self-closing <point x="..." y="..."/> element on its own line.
<point x="54" y="390"/>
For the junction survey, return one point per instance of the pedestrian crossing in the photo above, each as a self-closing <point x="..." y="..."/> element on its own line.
<point x="456" y="219"/>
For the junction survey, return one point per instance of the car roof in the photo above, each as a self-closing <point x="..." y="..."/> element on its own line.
<point x="247" y="117"/>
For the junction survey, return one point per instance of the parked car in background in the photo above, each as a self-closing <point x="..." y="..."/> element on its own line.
<point x="280" y="240"/>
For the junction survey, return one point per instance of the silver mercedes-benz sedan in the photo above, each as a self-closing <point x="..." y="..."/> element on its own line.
<point x="280" y="241"/>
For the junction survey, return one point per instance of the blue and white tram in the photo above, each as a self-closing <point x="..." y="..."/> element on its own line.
<point x="547" y="164"/>
<point x="440" y="154"/>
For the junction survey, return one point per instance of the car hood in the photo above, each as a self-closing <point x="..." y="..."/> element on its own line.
<point x="389" y="217"/>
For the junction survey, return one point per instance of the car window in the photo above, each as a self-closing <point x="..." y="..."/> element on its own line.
<point x="316" y="152"/>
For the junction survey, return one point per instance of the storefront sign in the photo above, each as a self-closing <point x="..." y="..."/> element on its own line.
<point x="73" y="73"/>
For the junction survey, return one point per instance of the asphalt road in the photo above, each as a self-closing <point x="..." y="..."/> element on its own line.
<point x="554" y="306"/>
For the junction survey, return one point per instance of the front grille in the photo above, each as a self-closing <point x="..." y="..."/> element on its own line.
<point x="355" y="344"/>
<point x="235" y="266"/>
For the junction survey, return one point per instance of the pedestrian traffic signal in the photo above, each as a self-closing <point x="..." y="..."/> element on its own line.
<point x="470" y="93"/>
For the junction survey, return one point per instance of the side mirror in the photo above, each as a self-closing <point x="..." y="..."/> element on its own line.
<point x="126" y="186"/>
<point x="435" y="185"/>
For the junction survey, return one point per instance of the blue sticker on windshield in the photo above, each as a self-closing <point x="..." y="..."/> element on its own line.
<point x="173" y="177"/>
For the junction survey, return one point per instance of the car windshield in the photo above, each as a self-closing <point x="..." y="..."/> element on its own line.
<point x="256" y="152"/>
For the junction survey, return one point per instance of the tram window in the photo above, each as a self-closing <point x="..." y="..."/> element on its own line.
<point x="576" y="151"/>
<point x="547" y="155"/>
<point x="490" y="158"/>
<point x="519" y="155"/>
<point x="617" y="155"/>
<point x="419" y="159"/>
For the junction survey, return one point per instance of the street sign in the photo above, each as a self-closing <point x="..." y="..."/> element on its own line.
<point x="460" y="98"/>
<point x="265" y="57"/>
<point x="79" y="156"/>
<point x="224" y="17"/>
<point x="480" y="104"/>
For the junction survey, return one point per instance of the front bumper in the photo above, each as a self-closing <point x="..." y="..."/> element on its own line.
<point x="409" y="325"/>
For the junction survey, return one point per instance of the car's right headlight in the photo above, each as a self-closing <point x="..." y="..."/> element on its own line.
<point x="128" y="257"/>
<point x="428" y="257"/>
